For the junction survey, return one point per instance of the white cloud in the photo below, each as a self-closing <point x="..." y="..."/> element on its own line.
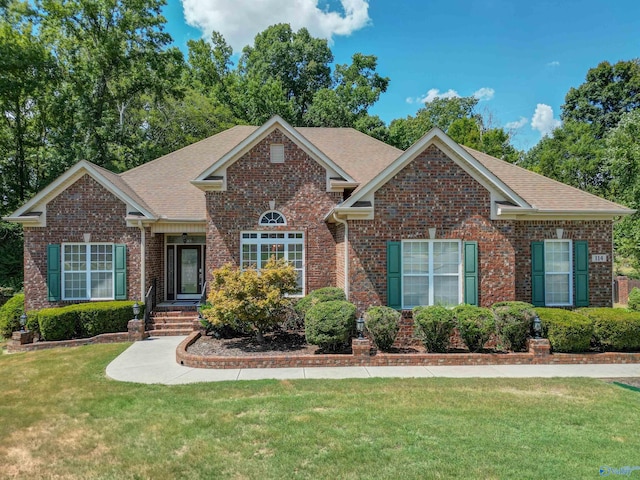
<point x="484" y="93"/>
<point x="517" y="123"/>
<point x="240" y="20"/>
<point x="555" y="63"/>
<point x="543" y="120"/>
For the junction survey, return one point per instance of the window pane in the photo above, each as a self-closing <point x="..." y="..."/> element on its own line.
<point x="271" y="250"/>
<point x="446" y="290"/>
<point x="101" y="257"/>
<point x="415" y="291"/>
<point x="249" y="256"/>
<point x="75" y="258"/>
<point x="415" y="258"/>
<point x="102" y="285"/>
<point x="446" y="258"/>
<point x="557" y="257"/>
<point x="557" y="289"/>
<point x="75" y="285"/>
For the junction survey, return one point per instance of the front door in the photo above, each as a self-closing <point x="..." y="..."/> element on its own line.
<point x="189" y="271"/>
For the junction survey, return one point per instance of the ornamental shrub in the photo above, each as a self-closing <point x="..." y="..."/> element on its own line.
<point x="330" y="324"/>
<point x="475" y="324"/>
<point x="383" y="324"/>
<point x="567" y="331"/>
<point x="433" y="326"/>
<point x="320" y="295"/>
<point x="634" y="299"/>
<point x="250" y="300"/>
<point x="614" y="329"/>
<point x="513" y="324"/>
<point x="10" y="314"/>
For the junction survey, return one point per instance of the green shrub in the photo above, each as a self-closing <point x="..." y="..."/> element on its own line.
<point x="330" y="324"/>
<point x="513" y="324"/>
<point x="433" y="326"/>
<point x="475" y="324"/>
<point x="325" y="294"/>
<point x="383" y="324"/>
<point x="10" y="314"/>
<point x="634" y="299"/>
<point x="567" y="331"/>
<point x="84" y="319"/>
<point x="614" y="329"/>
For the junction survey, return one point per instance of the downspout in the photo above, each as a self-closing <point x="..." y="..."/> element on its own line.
<point x="143" y="259"/>
<point x="346" y="253"/>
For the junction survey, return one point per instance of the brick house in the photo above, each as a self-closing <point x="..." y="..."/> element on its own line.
<point x="437" y="223"/>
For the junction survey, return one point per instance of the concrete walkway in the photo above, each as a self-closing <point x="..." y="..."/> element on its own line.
<point x="154" y="361"/>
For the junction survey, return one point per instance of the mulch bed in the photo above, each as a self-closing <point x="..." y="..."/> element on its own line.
<point x="276" y="343"/>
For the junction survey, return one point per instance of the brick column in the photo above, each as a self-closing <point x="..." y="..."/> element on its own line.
<point x="136" y="330"/>
<point x="361" y="347"/>
<point x="539" y="347"/>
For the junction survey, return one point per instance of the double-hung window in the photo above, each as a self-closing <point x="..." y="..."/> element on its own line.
<point x="87" y="271"/>
<point x="256" y="248"/>
<point x="558" y="268"/>
<point x="431" y="273"/>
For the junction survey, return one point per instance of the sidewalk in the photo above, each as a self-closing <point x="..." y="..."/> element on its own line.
<point x="154" y="361"/>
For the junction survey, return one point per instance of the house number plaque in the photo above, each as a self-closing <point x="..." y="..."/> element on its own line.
<point x="599" y="257"/>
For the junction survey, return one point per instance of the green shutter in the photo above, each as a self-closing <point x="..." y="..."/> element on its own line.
<point x="53" y="272"/>
<point x="471" y="273"/>
<point x="537" y="274"/>
<point x="581" y="272"/>
<point x="121" y="271"/>
<point x="394" y="275"/>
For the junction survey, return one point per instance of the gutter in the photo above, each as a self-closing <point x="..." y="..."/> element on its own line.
<point x="346" y="253"/>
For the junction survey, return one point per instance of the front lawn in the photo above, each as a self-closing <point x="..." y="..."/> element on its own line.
<point x="60" y="417"/>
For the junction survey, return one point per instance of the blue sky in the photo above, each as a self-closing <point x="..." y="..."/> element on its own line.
<point x="519" y="57"/>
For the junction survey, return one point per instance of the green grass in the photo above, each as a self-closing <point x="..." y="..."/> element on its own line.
<point x="60" y="417"/>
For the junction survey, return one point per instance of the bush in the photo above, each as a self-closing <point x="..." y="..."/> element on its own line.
<point x="330" y="324"/>
<point x="475" y="324"/>
<point x="513" y="324"/>
<point x="325" y="294"/>
<point x="248" y="300"/>
<point x="10" y="314"/>
<point x="433" y="326"/>
<point x="83" y="319"/>
<point x="634" y="299"/>
<point x="383" y="324"/>
<point x="614" y="329"/>
<point x="567" y="331"/>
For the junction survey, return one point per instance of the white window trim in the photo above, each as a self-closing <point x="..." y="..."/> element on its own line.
<point x="431" y="275"/>
<point x="87" y="271"/>
<point x="570" y="242"/>
<point x="260" y="220"/>
<point x="285" y="241"/>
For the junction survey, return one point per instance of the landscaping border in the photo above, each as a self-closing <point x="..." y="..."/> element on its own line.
<point x="538" y="355"/>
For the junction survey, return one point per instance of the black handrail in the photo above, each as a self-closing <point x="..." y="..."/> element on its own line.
<point x="150" y="302"/>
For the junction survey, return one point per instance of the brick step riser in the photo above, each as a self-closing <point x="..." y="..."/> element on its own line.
<point x="173" y="319"/>
<point x="174" y="314"/>
<point x="169" y="333"/>
<point x="173" y="326"/>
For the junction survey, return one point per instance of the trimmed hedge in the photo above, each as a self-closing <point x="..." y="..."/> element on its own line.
<point x="634" y="299"/>
<point x="325" y="294"/>
<point x="433" y="326"/>
<point x="330" y="324"/>
<point x="475" y="324"/>
<point x="614" y="329"/>
<point x="84" y="319"/>
<point x="10" y="314"/>
<point x="383" y="324"/>
<point x="567" y="331"/>
<point x="513" y="324"/>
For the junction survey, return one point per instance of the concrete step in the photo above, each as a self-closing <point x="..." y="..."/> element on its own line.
<point x="171" y="326"/>
<point x="170" y="333"/>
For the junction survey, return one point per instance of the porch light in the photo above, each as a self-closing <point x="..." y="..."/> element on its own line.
<point x="136" y="310"/>
<point x="23" y="322"/>
<point x="360" y="327"/>
<point x="537" y="327"/>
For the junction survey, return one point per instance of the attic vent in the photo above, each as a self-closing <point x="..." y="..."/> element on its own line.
<point x="277" y="153"/>
<point x="272" y="218"/>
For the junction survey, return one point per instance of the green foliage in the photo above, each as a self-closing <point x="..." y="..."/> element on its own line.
<point x="567" y="331"/>
<point x="513" y="324"/>
<point x="84" y="319"/>
<point x="433" y="325"/>
<point x="324" y="294"/>
<point x="634" y="299"/>
<point x="250" y="299"/>
<point x="615" y="329"/>
<point x="475" y="324"/>
<point x="383" y="324"/>
<point x="10" y="314"/>
<point x="11" y="256"/>
<point x="330" y="324"/>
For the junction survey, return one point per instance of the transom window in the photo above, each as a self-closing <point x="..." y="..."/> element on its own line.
<point x="431" y="273"/>
<point x="87" y="271"/>
<point x="272" y="218"/>
<point x="257" y="248"/>
<point x="558" y="268"/>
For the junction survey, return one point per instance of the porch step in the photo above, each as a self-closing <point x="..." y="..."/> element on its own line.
<point x="170" y="333"/>
<point x="173" y="322"/>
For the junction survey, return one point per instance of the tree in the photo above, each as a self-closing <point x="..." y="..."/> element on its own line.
<point x="608" y="92"/>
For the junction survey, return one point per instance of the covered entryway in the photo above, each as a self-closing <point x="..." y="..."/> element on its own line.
<point x="185" y="267"/>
